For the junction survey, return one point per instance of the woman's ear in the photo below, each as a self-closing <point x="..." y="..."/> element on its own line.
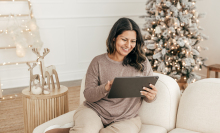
<point x="113" y="39"/>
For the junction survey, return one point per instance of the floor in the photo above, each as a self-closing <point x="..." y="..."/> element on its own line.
<point x="11" y="109"/>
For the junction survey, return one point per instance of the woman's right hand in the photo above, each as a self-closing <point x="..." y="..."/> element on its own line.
<point x="109" y="85"/>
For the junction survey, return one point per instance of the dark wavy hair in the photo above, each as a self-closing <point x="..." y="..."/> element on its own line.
<point x="136" y="57"/>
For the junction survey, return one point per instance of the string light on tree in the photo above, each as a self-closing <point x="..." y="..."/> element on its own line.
<point x="173" y="25"/>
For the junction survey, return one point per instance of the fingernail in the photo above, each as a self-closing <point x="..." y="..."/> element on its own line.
<point x="150" y="84"/>
<point x="141" y="92"/>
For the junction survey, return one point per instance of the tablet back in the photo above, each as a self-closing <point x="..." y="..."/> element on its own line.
<point x="124" y="87"/>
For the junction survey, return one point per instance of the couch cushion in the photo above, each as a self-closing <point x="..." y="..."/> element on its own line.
<point x="163" y="110"/>
<point x="179" y="130"/>
<point x="152" y="129"/>
<point x="199" y="108"/>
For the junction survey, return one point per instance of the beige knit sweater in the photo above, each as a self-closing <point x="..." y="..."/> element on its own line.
<point x="102" y="69"/>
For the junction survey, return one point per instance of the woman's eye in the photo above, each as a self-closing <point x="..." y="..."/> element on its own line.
<point x="123" y="40"/>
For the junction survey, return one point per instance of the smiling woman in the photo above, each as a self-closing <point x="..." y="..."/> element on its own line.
<point x="125" y="43"/>
<point x="124" y="58"/>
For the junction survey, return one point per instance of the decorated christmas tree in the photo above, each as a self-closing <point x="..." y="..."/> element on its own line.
<point x="172" y="34"/>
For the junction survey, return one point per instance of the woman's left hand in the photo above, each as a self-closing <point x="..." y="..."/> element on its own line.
<point x="151" y="93"/>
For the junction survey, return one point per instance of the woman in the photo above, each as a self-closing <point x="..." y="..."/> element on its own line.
<point x="124" y="58"/>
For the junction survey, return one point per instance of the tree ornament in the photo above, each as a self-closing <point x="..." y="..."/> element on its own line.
<point x="178" y="6"/>
<point x="158" y="30"/>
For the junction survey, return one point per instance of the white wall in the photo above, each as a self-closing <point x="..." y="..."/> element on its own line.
<point x="211" y="28"/>
<point x="76" y="30"/>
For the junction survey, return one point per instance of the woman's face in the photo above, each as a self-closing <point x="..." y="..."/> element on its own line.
<point x="125" y="42"/>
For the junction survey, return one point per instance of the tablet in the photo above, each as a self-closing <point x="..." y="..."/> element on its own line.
<point x="125" y="87"/>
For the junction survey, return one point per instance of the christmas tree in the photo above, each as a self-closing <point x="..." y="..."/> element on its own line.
<point x="171" y="35"/>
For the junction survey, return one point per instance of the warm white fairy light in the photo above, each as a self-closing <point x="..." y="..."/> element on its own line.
<point x="194" y="80"/>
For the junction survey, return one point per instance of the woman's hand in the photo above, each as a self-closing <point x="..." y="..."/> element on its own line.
<point x="151" y="93"/>
<point x="109" y="85"/>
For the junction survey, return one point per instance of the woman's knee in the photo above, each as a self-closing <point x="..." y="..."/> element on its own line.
<point x="86" y="121"/>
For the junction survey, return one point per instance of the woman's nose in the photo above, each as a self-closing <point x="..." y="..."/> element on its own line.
<point x="128" y="44"/>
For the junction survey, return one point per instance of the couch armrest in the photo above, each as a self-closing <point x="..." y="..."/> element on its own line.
<point x="60" y="120"/>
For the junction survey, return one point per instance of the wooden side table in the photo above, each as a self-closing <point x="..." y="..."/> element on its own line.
<point x="215" y="67"/>
<point x="41" y="108"/>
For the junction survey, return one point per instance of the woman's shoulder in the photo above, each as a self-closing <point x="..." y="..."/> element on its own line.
<point x="99" y="58"/>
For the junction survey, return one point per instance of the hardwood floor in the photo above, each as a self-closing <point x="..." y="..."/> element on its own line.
<point x="11" y="111"/>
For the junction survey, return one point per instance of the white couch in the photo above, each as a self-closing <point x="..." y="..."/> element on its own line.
<point x="198" y="111"/>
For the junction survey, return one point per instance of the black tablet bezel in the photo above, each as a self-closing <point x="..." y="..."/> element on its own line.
<point x="125" y="87"/>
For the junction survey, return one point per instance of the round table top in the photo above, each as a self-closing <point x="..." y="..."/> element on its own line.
<point x="55" y="93"/>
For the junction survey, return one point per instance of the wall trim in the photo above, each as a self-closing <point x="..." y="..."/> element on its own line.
<point x="82" y="17"/>
<point x="65" y="76"/>
<point x="115" y="1"/>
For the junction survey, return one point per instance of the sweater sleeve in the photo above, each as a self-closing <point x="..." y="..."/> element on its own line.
<point x="148" y="72"/>
<point x="94" y="91"/>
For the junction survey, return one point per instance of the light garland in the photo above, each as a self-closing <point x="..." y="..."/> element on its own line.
<point x="18" y="37"/>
